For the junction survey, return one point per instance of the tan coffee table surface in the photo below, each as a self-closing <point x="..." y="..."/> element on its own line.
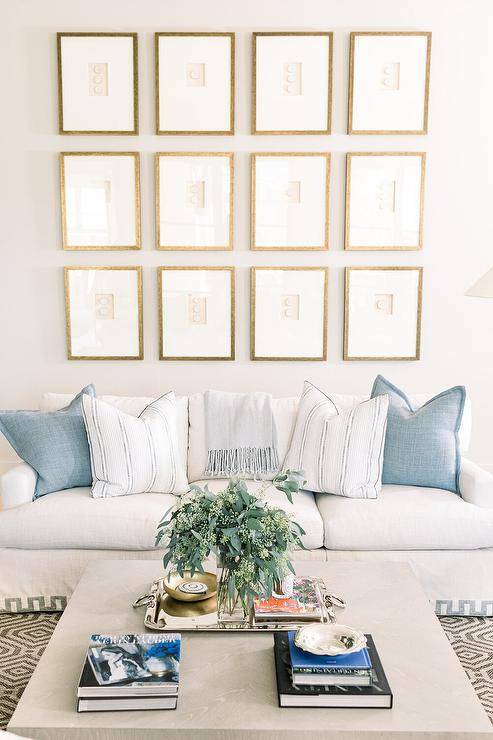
<point x="227" y="681"/>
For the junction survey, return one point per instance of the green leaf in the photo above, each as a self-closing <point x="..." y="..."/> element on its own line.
<point x="253" y="524"/>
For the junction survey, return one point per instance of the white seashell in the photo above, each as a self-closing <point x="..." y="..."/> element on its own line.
<point x="325" y="639"/>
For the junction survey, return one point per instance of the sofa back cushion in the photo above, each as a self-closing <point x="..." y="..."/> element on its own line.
<point x="339" y="451"/>
<point x="284" y="410"/>
<point x="422" y="445"/>
<point x="191" y="411"/>
<point x="132" y="405"/>
<point x="132" y="454"/>
<point x="53" y="443"/>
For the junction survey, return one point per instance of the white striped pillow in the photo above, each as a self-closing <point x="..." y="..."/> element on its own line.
<point x="339" y="451"/>
<point x="134" y="455"/>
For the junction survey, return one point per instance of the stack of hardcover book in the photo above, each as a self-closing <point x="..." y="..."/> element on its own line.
<point x="130" y="672"/>
<point x="307" y="680"/>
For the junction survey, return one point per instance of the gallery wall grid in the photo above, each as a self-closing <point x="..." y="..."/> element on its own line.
<point x="289" y="192"/>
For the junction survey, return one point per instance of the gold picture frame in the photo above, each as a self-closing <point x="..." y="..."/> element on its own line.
<point x="63" y="208"/>
<point x="208" y="268"/>
<point x="253" y="287"/>
<point x="180" y="248"/>
<point x="68" y="321"/>
<point x="419" y="306"/>
<point x="100" y="34"/>
<point x="352" y="37"/>
<point x="253" y="172"/>
<point x="347" y="218"/>
<point x="259" y="34"/>
<point x="165" y="132"/>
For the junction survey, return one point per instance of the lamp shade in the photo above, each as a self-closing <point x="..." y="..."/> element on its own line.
<point x="482" y="288"/>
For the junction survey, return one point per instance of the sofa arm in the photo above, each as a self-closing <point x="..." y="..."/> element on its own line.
<point x="17" y="486"/>
<point x="476" y="484"/>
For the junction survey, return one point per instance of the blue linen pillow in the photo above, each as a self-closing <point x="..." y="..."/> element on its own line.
<point x="53" y="443"/>
<point x="422" y="444"/>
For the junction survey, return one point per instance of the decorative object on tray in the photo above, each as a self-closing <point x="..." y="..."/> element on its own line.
<point x="304" y="604"/>
<point x="361" y="682"/>
<point x="130" y="672"/>
<point x="330" y="639"/>
<point x="250" y="540"/>
<point x="190" y="588"/>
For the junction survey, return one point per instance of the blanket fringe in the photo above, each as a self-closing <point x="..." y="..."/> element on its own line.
<point x="253" y="460"/>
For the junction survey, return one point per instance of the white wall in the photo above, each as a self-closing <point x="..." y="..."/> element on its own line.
<point x="457" y="341"/>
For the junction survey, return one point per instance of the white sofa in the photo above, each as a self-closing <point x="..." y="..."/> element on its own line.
<point x="448" y="539"/>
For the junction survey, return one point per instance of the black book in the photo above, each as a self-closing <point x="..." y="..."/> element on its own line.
<point x="378" y="695"/>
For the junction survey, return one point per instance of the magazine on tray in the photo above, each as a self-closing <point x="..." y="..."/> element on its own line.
<point x="304" y="604"/>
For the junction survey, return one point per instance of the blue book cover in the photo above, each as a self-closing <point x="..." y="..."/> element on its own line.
<point x="304" y="661"/>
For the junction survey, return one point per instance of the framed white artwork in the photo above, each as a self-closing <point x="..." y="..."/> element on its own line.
<point x="290" y="201"/>
<point x="100" y="200"/>
<point x="389" y="80"/>
<point x="292" y="83"/>
<point x="103" y="307"/>
<point x="289" y="313"/>
<point x="195" y="83"/>
<point x="98" y="83"/>
<point x="384" y="200"/>
<point x="196" y="313"/>
<point x="194" y="200"/>
<point x="382" y="313"/>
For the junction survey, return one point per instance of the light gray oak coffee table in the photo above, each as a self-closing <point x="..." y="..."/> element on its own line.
<point x="228" y="683"/>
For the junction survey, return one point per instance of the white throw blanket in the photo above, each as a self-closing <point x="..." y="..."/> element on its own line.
<point x="241" y="434"/>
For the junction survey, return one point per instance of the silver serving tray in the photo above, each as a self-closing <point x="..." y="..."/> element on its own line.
<point x="156" y="618"/>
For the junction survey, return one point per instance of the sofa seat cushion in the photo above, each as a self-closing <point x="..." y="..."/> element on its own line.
<point x="73" y="519"/>
<point x="405" y="518"/>
<point x="303" y="510"/>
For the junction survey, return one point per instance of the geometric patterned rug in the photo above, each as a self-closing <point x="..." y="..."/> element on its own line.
<point x="472" y="640"/>
<point x="23" y="638"/>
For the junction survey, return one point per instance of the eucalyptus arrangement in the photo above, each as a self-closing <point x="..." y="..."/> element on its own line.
<point x="250" y="539"/>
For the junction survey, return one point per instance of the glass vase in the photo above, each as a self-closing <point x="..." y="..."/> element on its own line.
<point x="232" y="611"/>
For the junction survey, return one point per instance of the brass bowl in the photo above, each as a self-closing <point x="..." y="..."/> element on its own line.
<point x="187" y="609"/>
<point x="172" y="581"/>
